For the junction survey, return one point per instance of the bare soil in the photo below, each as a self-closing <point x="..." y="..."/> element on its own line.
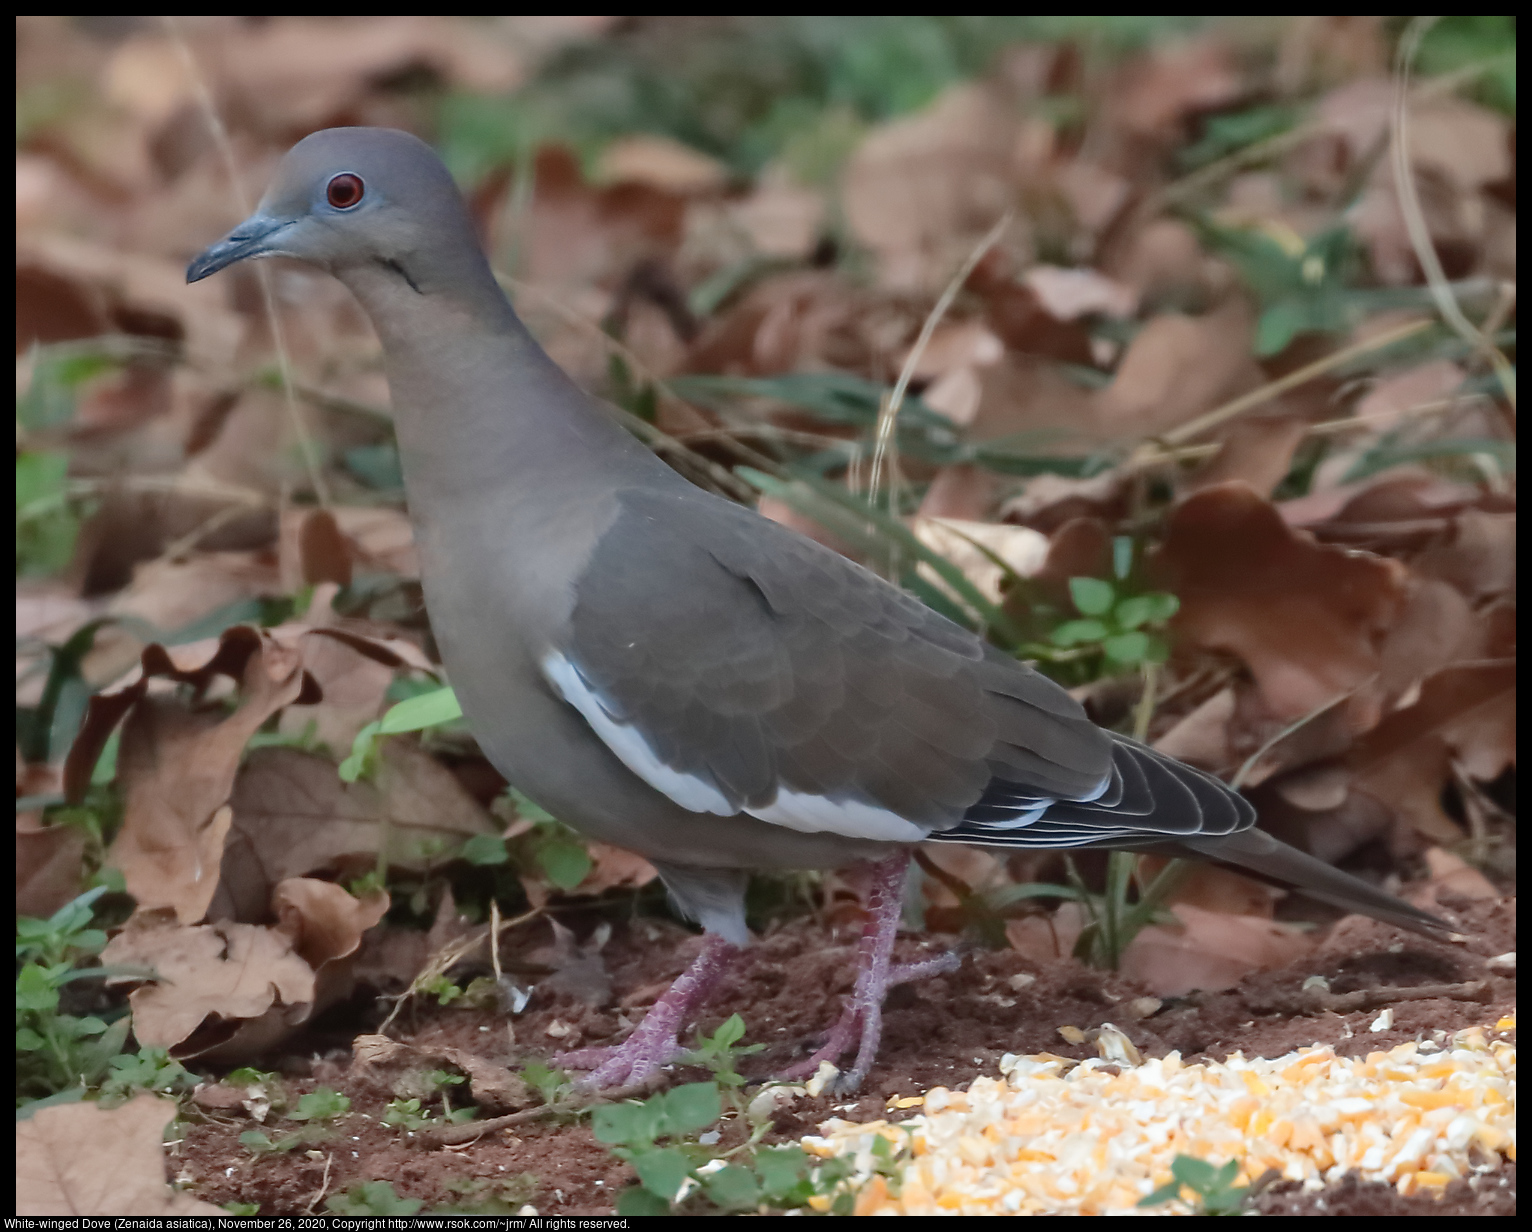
<point x="943" y="1031"/>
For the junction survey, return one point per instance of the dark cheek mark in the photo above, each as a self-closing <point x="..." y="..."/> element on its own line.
<point x="389" y="263"/>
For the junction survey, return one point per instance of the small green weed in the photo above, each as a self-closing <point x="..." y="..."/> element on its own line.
<point x="479" y="1196"/>
<point x="679" y="1164"/>
<point x="62" y="1056"/>
<point x="412" y="1114"/>
<point x="372" y="1198"/>
<point x="552" y="1084"/>
<point x="1212" y="1187"/>
<point x="259" y="1143"/>
<point x="320" y="1104"/>
<point x="719" y="1051"/>
<point x="1114" y="626"/>
<point x="435" y="708"/>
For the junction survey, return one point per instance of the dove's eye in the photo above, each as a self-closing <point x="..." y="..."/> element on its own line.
<point x="344" y="191"/>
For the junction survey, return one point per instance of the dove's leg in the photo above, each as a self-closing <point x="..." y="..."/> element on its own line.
<point x="654" y="1042"/>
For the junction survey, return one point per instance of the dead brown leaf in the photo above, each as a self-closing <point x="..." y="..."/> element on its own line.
<point x="1212" y="950"/>
<point x="1480" y="559"/>
<point x="326" y="925"/>
<point x="322" y="920"/>
<point x="970" y="546"/>
<point x="1467" y="712"/>
<point x="1305" y="618"/>
<point x="1202" y="737"/>
<point x="1255" y="451"/>
<point x="802" y="320"/>
<point x="381" y="539"/>
<point x="1176" y="368"/>
<point x="1454" y="875"/>
<point x="961" y="491"/>
<point x="1154" y="91"/>
<point x="660" y="162"/>
<point x="1435" y="627"/>
<point x="81" y="1159"/>
<point x="613" y="867"/>
<point x="48" y="864"/>
<point x="237" y="973"/>
<point x="576" y="234"/>
<point x="177" y="767"/>
<point x="170" y="594"/>
<point x="293" y="817"/>
<point x="921" y="189"/>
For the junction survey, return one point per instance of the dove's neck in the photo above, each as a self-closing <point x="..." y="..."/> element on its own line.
<point x="480" y="407"/>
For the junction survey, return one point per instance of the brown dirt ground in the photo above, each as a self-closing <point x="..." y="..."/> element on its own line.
<point x="943" y="1031"/>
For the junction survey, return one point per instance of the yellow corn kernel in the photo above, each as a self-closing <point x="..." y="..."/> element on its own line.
<point x="874" y="1194"/>
<point x="1448" y="1098"/>
<point x="1254" y="1085"/>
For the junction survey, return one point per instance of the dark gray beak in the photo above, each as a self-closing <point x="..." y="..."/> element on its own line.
<point x="252" y="238"/>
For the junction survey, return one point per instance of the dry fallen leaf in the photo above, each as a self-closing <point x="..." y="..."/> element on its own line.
<point x="921" y="189"/>
<point x="1467" y="712"/>
<point x="82" y="1159"/>
<point x="239" y="973"/>
<point x="1212" y="950"/>
<point x="661" y="162"/>
<point x="293" y="816"/>
<point x="1176" y="368"/>
<point x="48" y="864"/>
<point x="1257" y="451"/>
<point x="1304" y="617"/>
<point x="177" y="769"/>
<point x="969" y="546"/>
<point x="326" y="925"/>
<point x="324" y="921"/>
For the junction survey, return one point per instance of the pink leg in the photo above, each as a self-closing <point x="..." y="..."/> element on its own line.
<point x="875" y="975"/>
<point x="654" y="1041"/>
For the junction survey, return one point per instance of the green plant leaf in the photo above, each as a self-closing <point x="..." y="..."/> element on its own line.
<point x="626" y="1124"/>
<point x="733" y="1188"/>
<point x="372" y="1198"/>
<point x="1132" y="612"/>
<point x="639" y="1201"/>
<point x="321" y="1104"/>
<point x="417" y="713"/>
<point x="431" y="709"/>
<point x="1074" y="632"/>
<point x="730" y="1031"/>
<point x="690" y="1107"/>
<point x="564" y="861"/>
<point x="1092" y="596"/>
<point x="485" y="849"/>
<point x="662" y="1171"/>
<point x="780" y="1168"/>
<point x="1126" y="648"/>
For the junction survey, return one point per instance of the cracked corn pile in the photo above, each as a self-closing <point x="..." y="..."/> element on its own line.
<point x="1093" y="1137"/>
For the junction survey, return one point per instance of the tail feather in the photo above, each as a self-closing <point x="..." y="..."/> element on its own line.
<point x="1257" y="852"/>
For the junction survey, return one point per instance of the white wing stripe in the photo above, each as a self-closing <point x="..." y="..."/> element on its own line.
<point x="793" y="809"/>
<point x="687" y="790"/>
<point x="852" y="818"/>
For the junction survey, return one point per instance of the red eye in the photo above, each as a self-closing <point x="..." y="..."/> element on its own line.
<point x="344" y="191"/>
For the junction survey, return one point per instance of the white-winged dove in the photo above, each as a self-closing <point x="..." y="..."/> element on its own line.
<point x="674" y="674"/>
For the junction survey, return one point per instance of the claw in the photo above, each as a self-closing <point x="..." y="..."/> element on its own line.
<point x="862" y="1016"/>
<point x="654" y="1043"/>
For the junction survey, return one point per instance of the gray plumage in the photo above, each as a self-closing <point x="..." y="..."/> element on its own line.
<point x="670" y="672"/>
